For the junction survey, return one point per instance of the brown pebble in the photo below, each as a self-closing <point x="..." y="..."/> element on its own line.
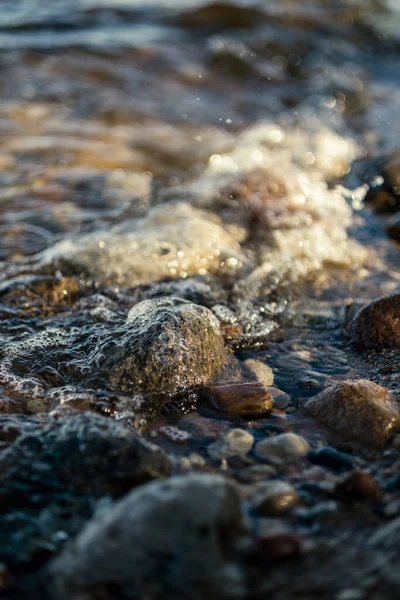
<point x="358" y="486"/>
<point x="377" y="325"/>
<point x="277" y="547"/>
<point x="357" y="410"/>
<point x="239" y="399"/>
<point x="5" y="576"/>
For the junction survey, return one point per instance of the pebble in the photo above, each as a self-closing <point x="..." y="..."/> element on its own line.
<point x="169" y="539"/>
<point x="166" y="345"/>
<point x="280" y="398"/>
<point x="237" y="442"/>
<point x="273" y="498"/>
<point x="276" y="547"/>
<point x="377" y="325"/>
<point x="239" y="399"/>
<point x="331" y="458"/>
<point x="357" y="410"/>
<point x="282" y="448"/>
<point x="263" y="372"/>
<point x="358" y="486"/>
<point x="393" y="227"/>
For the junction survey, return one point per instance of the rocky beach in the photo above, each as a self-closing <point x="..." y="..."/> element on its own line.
<point x="199" y="300"/>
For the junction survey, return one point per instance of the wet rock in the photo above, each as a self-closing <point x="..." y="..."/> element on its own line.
<point x="331" y="458"/>
<point x="170" y="344"/>
<point x="173" y="241"/>
<point x="385" y="189"/>
<point x="237" y="442"/>
<point x="276" y="547"/>
<point x="357" y="410"/>
<point x="393" y="227"/>
<point x="282" y="448"/>
<point x="358" y="486"/>
<point x="238" y="399"/>
<point x="273" y="497"/>
<point x="172" y="539"/>
<point x="377" y="325"/>
<point x="63" y="467"/>
<point x="281" y="399"/>
<point x="262" y="372"/>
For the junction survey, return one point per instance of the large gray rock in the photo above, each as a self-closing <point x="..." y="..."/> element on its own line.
<point x="169" y="344"/>
<point x="167" y="540"/>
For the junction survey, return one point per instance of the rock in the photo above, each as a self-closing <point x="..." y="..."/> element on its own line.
<point x="168" y="345"/>
<point x="386" y="196"/>
<point x="239" y="399"/>
<point x="273" y="497"/>
<point x="377" y="325"/>
<point x="358" y="486"/>
<point x="263" y="373"/>
<point x="64" y="466"/>
<point x="167" y="540"/>
<point x="393" y="227"/>
<point x="280" y="398"/>
<point x="331" y="458"/>
<point x="173" y="241"/>
<point x="282" y="448"/>
<point x="237" y="442"/>
<point x="357" y="410"/>
<point x="276" y="547"/>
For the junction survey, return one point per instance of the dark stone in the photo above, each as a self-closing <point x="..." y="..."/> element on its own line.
<point x="393" y="227"/>
<point x="358" y="486"/>
<point x="52" y="474"/>
<point x="377" y="325"/>
<point x="332" y="459"/>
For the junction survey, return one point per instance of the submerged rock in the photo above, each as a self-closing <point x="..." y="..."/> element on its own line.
<point x="169" y="540"/>
<point x="357" y="410"/>
<point x="170" y="345"/>
<point x="377" y="325"/>
<point x="173" y="241"/>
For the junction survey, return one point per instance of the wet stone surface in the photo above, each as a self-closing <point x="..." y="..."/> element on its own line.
<point x="199" y="286"/>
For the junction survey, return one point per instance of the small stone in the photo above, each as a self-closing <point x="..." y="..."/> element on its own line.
<point x="167" y="345"/>
<point x="5" y="576"/>
<point x="357" y="410"/>
<point x="273" y="497"/>
<point x="393" y="227"/>
<point x="377" y="325"/>
<point x="358" y="486"/>
<point x="263" y="372"/>
<point x="282" y="448"/>
<point x="280" y="398"/>
<point x="276" y="547"/>
<point x="237" y="442"/>
<point x="331" y="458"/>
<point x="171" y="539"/>
<point x="239" y="399"/>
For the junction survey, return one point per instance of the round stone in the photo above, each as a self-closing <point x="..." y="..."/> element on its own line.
<point x="273" y="497"/>
<point x="282" y="448"/>
<point x="357" y="410"/>
<point x="237" y="442"/>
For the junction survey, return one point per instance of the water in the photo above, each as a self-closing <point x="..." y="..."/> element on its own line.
<point x="209" y="150"/>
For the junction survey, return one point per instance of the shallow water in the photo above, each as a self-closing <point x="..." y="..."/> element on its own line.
<point x="208" y="150"/>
